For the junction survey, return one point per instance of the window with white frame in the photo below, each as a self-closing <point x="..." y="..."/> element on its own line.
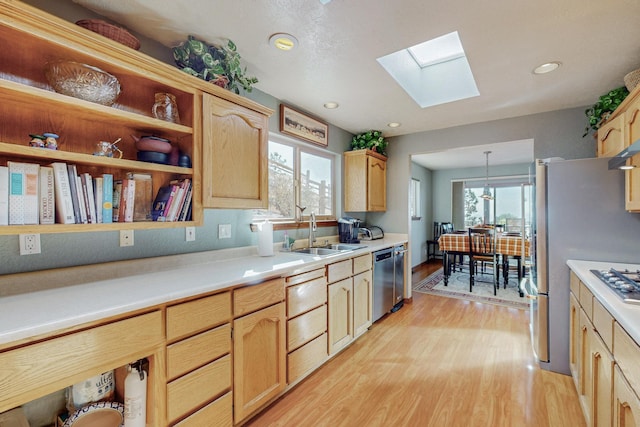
<point x="414" y="199"/>
<point x="299" y="175"/>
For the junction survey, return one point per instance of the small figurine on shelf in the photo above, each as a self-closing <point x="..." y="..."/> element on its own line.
<point x="51" y="141"/>
<point x="107" y="149"/>
<point x="36" y="140"/>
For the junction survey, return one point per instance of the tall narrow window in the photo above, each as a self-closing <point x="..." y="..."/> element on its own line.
<point x="414" y="199"/>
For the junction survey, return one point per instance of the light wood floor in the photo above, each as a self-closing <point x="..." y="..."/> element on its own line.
<point x="436" y="362"/>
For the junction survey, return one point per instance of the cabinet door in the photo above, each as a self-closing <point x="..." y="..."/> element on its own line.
<point x="574" y="338"/>
<point x="340" y="299"/>
<point x="626" y="406"/>
<point x="259" y="359"/>
<point x="632" y="177"/>
<point x="611" y="138"/>
<point x="362" y="302"/>
<point x="584" y="366"/>
<point x="235" y="155"/>
<point x="602" y="387"/>
<point x="376" y="184"/>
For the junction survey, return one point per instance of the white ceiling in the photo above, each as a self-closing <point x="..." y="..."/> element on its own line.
<point x="597" y="41"/>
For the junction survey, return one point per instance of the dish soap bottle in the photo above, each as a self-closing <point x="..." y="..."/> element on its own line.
<point x="286" y="246"/>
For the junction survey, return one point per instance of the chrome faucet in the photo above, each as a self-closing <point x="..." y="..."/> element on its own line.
<point x="312" y="229"/>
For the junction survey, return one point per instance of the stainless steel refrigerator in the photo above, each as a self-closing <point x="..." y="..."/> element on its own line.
<point x="579" y="214"/>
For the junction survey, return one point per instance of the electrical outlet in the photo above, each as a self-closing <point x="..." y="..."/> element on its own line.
<point x="224" y="231"/>
<point x="29" y="244"/>
<point x="190" y="234"/>
<point x="126" y="237"/>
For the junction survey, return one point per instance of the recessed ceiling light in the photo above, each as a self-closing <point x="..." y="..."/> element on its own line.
<point x="283" y="41"/>
<point x="546" y="68"/>
<point x="331" y="105"/>
<point x="626" y="167"/>
<point x="393" y="125"/>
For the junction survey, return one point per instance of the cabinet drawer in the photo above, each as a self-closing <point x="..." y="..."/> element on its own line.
<point x="305" y="277"/>
<point x="627" y="354"/>
<point x="603" y="322"/>
<point x="218" y="413"/>
<point x="196" y="388"/>
<point x="196" y="351"/>
<point x="253" y="298"/>
<point x="574" y="283"/>
<point x="194" y="316"/>
<point x="304" y="297"/>
<point x="305" y="327"/>
<point x="339" y="270"/>
<point x="48" y="366"/>
<point x="307" y="357"/>
<point x="586" y="300"/>
<point x="362" y="263"/>
<point x="611" y="138"/>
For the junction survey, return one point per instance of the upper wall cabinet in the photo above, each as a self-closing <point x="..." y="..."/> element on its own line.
<point x="30" y="39"/>
<point x="618" y="132"/>
<point x="235" y="154"/>
<point x="365" y="181"/>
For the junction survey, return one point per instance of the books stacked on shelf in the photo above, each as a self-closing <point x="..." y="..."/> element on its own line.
<point x="173" y="201"/>
<point x="59" y="194"/>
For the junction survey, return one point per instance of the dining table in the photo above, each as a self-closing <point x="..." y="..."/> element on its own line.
<point x="507" y="245"/>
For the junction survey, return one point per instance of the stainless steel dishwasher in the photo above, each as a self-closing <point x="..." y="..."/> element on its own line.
<point x="388" y="280"/>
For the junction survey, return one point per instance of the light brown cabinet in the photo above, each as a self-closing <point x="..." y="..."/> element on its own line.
<point x="29" y="105"/>
<point x="350" y="300"/>
<point x="259" y="346"/>
<point x="365" y="181"/>
<point x="626" y="405"/>
<point x="306" y="323"/>
<point x="618" y="132"/>
<point x="199" y="363"/>
<point x="59" y="361"/>
<point x="603" y="362"/>
<point x="235" y="155"/>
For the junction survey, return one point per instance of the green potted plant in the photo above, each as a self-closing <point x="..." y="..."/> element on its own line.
<point x="371" y="140"/>
<point x="606" y="105"/>
<point x="217" y="64"/>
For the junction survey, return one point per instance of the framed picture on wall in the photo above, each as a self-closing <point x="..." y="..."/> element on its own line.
<point x="302" y="126"/>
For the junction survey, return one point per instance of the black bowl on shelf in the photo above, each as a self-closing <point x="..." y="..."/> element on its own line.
<point x="153" y="157"/>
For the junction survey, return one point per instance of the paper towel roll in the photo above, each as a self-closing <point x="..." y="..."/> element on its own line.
<point x="265" y="239"/>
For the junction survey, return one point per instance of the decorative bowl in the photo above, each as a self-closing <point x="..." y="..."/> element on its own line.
<point x="82" y="81"/>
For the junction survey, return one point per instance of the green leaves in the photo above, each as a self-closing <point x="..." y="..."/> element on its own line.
<point x="372" y="140"/>
<point x="219" y="65"/>
<point x="606" y="104"/>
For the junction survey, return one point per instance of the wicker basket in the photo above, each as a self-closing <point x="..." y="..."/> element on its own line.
<point x="111" y="31"/>
<point x="632" y="79"/>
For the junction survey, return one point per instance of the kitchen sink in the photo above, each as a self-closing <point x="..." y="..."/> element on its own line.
<point x="333" y="249"/>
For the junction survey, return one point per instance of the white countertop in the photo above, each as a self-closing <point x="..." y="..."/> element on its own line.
<point x="32" y="314"/>
<point x="627" y="315"/>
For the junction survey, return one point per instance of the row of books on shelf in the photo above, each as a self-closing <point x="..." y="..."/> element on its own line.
<point x="58" y="193"/>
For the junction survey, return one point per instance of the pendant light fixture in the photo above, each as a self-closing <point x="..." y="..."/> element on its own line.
<point x="486" y="193"/>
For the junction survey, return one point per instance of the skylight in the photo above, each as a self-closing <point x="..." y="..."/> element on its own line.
<point x="433" y="72"/>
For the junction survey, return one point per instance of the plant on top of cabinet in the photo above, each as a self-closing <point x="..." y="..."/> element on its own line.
<point x="600" y="111"/>
<point x="218" y="64"/>
<point x="371" y="140"/>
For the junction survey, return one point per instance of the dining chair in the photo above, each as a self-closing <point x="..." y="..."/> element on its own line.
<point x="439" y="228"/>
<point x="482" y="249"/>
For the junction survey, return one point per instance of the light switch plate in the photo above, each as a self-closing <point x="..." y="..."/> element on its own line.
<point x="190" y="234"/>
<point x="224" y="231"/>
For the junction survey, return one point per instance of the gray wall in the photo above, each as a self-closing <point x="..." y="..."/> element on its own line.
<point x="555" y="134"/>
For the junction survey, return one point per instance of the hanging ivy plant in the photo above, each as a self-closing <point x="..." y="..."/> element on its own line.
<point x="372" y="140"/>
<point x="217" y="64"/>
<point x="606" y="105"/>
